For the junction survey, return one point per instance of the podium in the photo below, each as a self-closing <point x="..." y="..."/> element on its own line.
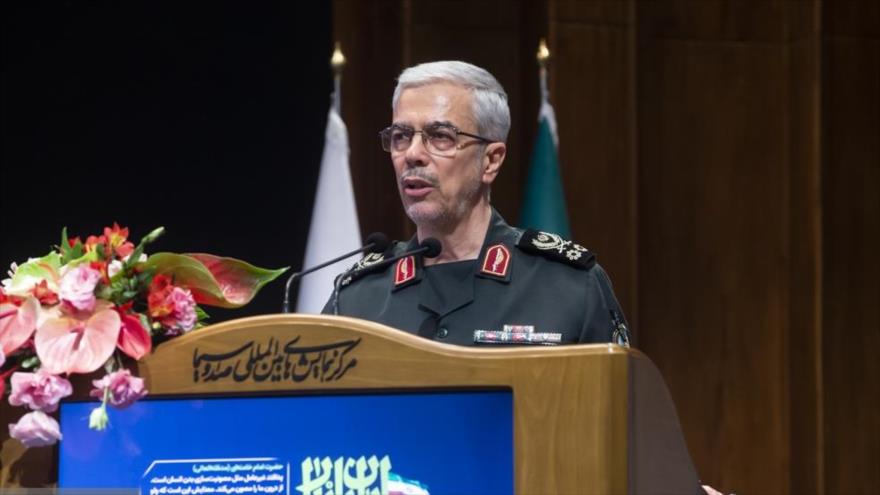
<point x="585" y="418"/>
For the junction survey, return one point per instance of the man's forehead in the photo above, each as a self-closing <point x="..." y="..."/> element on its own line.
<point x="434" y="103"/>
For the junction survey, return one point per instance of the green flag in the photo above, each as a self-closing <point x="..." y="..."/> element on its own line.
<point x="544" y="200"/>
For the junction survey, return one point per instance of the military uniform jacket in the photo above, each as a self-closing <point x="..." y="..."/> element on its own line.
<point x="526" y="282"/>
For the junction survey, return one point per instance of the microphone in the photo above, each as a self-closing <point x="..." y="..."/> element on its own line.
<point x="429" y="248"/>
<point x="377" y="242"/>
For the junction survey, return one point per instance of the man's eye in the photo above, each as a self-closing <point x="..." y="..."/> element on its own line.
<point x="442" y="136"/>
<point x="399" y="135"/>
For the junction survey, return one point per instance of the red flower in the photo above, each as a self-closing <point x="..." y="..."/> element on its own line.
<point x="74" y="241"/>
<point x="3" y="379"/>
<point x="44" y="294"/>
<point x="7" y="299"/>
<point x="118" y="240"/>
<point x="134" y="338"/>
<point x="101" y="267"/>
<point x="158" y="304"/>
<point x="100" y="242"/>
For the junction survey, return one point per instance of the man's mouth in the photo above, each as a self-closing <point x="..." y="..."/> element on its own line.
<point x="415" y="187"/>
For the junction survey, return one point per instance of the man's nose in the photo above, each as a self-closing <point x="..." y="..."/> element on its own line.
<point x="417" y="153"/>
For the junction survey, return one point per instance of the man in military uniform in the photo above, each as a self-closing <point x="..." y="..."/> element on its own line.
<point x="491" y="283"/>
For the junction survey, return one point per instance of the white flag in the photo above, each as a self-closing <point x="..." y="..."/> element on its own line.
<point x="334" y="229"/>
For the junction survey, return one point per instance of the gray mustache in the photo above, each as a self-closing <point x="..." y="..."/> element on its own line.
<point x="420" y="174"/>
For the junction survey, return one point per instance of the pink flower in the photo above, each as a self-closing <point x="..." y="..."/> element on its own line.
<point x="78" y="288"/>
<point x="78" y="343"/>
<point x="40" y="391"/>
<point x="17" y="324"/>
<point x="124" y="388"/>
<point x="182" y="317"/>
<point x="35" y="429"/>
<point x="2" y="358"/>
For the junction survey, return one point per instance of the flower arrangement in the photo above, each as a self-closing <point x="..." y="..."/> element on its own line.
<point x="93" y="304"/>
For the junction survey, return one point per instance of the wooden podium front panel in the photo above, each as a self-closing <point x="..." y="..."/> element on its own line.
<point x="570" y="403"/>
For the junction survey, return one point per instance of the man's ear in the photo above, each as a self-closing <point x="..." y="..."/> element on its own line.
<point x="492" y="160"/>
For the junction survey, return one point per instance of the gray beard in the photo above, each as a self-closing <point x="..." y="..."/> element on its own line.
<point x="447" y="216"/>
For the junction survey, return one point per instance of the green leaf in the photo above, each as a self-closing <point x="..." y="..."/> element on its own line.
<point x="201" y="314"/>
<point x="92" y="255"/>
<point x="68" y="252"/>
<point x="214" y="281"/>
<point x="139" y="250"/>
<point x="65" y="245"/>
<point x="46" y="268"/>
<point x="30" y="362"/>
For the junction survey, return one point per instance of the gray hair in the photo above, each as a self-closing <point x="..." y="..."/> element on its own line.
<point x="490" y="110"/>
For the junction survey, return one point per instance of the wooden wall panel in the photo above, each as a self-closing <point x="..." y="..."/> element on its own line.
<point x="712" y="257"/>
<point x="593" y="93"/>
<point x="371" y="36"/>
<point x="715" y="20"/>
<point x="851" y="237"/>
<point x="804" y="339"/>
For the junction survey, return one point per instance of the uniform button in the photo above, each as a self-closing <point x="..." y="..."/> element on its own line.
<point x="442" y="333"/>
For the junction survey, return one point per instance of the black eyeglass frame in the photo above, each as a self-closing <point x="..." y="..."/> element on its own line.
<point x="385" y="136"/>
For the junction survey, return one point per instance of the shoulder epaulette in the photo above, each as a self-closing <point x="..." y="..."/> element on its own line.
<point x="368" y="264"/>
<point x="556" y="248"/>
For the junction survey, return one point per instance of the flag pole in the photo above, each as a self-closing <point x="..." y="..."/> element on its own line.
<point x="337" y="63"/>
<point x="543" y="57"/>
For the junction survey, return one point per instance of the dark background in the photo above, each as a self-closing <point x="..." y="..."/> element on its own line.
<point x="204" y="117"/>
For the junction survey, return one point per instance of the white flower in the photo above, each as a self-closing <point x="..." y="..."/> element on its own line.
<point x="113" y="268"/>
<point x="142" y="258"/>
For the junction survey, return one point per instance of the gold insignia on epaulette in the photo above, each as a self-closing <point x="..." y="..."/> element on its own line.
<point x="370" y="260"/>
<point x="547" y="242"/>
<point x="365" y="262"/>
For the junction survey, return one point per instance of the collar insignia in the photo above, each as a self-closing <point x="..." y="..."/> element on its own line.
<point x="497" y="261"/>
<point x="405" y="271"/>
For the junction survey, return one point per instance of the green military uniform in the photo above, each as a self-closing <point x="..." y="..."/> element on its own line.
<point x="526" y="287"/>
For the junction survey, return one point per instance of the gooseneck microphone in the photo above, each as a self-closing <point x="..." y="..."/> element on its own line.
<point x="429" y="248"/>
<point x="377" y="242"/>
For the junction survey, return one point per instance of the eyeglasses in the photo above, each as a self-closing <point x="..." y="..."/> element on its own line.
<point x="438" y="138"/>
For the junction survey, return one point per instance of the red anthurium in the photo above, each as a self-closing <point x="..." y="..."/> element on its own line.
<point x="44" y="294"/>
<point x="134" y="338"/>
<point x="17" y="324"/>
<point x="78" y="343"/>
